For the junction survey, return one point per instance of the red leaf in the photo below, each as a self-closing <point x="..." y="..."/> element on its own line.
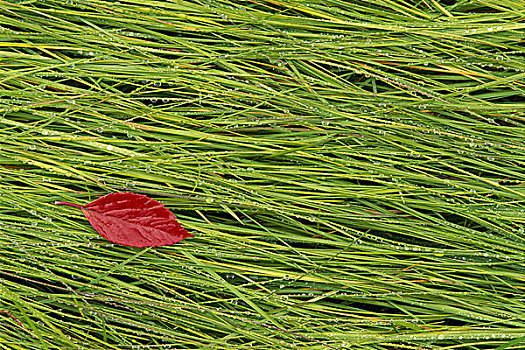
<point x="133" y="220"/>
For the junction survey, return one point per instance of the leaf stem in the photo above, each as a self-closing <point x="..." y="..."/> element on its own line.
<point x="67" y="203"/>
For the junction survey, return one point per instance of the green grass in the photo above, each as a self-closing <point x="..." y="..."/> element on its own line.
<point x="352" y="172"/>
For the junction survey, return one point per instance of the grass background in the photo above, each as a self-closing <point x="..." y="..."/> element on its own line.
<point x="352" y="172"/>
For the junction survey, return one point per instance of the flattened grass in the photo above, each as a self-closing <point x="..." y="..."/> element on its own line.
<point x="352" y="173"/>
